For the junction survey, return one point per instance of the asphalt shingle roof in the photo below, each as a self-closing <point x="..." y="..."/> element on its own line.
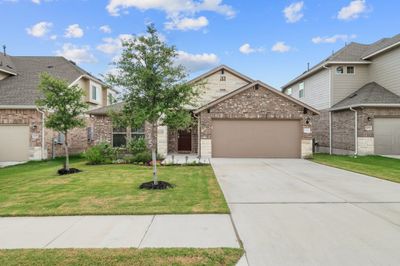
<point x="21" y="89"/>
<point x="371" y="93"/>
<point x="6" y="64"/>
<point x="116" y="107"/>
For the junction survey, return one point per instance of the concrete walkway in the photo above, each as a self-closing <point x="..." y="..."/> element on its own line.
<point x="296" y="212"/>
<point x="152" y="231"/>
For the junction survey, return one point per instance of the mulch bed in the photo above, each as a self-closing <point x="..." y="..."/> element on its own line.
<point x="64" y="171"/>
<point x="161" y="185"/>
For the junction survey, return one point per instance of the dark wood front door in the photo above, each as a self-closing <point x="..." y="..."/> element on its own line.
<point x="184" y="140"/>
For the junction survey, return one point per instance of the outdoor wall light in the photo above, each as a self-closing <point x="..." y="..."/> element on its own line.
<point x="369" y="118"/>
<point x="307" y="120"/>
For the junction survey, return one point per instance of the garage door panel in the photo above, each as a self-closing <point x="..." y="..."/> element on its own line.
<point x="387" y="136"/>
<point x="256" y="138"/>
<point x="14" y="143"/>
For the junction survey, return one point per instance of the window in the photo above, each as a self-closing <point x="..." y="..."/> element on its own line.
<point x="301" y="90"/>
<point x="119" y="137"/>
<point x="289" y="91"/>
<point x="350" y="70"/>
<point x="340" y="70"/>
<point x="94" y="93"/>
<point x="137" y="133"/>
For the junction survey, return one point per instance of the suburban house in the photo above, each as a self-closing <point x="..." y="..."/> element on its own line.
<point x="235" y="116"/>
<point x="357" y="91"/>
<point x="22" y="134"/>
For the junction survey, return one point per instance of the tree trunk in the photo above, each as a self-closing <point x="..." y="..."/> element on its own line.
<point x="154" y="152"/>
<point x="66" y="152"/>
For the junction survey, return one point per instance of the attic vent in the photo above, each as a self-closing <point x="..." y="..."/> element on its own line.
<point x="50" y="66"/>
<point x="353" y="95"/>
<point x="10" y="67"/>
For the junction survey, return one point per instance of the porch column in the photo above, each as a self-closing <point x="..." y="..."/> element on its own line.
<point x="162" y="140"/>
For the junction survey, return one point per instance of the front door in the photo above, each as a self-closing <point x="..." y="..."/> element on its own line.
<point x="184" y="140"/>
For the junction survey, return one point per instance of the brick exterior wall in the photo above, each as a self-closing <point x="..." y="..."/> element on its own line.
<point x="260" y="104"/>
<point x="77" y="137"/>
<point x="320" y="129"/>
<point x="173" y="140"/>
<point x="343" y="131"/>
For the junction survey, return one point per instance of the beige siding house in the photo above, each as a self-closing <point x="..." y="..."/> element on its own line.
<point x="21" y="123"/>
<point x="357" y="92"/>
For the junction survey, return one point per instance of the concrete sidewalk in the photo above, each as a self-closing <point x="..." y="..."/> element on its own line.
<point x="141" y="231"/>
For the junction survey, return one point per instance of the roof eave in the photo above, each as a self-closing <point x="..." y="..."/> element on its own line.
<point x="17" y="107"/>
<point x="218" y="68"/>
<point x="312" y="71"/>
<point x="365" y="105"/>
<point x="381" y="50"/>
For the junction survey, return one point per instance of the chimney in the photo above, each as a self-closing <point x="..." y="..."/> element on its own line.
<point x="4" y="50"/>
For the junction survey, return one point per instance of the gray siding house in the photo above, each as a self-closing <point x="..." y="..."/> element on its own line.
<point x="357" y="92"/>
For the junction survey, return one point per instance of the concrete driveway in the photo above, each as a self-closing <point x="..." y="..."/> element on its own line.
<point x="296" y="212"/>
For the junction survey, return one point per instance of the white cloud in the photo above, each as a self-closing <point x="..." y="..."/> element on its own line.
<point x="187" y="23"/>
<point x="113" y="45"/>
<point x="40" y="29"/>
<point x="73" y="31"/>
<point x="247" y="49"/>
<point x="281" y="47"/>
<point x="53" y="37"/>
<point x="333" y="39"/>
<point x="353" y="10"/>
<point x="293" y="12"/>
<point x="78" y="54"/>
<point x="172" y="7"/>
<point x="105" y="29"/>
<point x="36" y="1"/>
<point x="197" y="62"/>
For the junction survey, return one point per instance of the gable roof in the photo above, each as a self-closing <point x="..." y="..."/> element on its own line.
<point x="353" y="53"/>
<point x="21" y="89"/>
<point x="219" y="68"/>
<point x="371" y="94"/>
<point x="6" y="65"/>
<point x="116" y="107"/>
<point x="260" y="83"/>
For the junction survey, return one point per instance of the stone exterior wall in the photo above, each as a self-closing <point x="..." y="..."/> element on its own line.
<point x="260" y="104"/>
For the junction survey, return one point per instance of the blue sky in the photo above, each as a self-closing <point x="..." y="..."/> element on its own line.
<point x="267" y="40"/>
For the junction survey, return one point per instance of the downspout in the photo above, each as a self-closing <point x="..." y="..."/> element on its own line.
<point x="355" y="131"/>
<point x="42" y="153"/>
<point x="330" y="105"/>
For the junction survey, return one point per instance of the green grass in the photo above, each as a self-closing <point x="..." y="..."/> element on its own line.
<point x="376" y="166"/>
<point x="35" y="189"/>
<point x="221" y="256"/>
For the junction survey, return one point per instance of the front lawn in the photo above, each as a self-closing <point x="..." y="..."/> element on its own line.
<point x="377" y="166"/>
<point x="35" y="189"/>
<point x="220" y="256"/>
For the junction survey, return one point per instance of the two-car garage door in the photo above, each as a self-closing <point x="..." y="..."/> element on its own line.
<point x="256" y="138"/>
<point x="14" y="143"/>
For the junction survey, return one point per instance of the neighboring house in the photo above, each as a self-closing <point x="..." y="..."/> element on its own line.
<point x="235" y="116"/>
<point x="357" y="92"/>
<point x="22" y="136"/>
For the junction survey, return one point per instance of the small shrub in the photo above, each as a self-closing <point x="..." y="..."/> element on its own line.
<point x="136" y="146"/>
<point x="143" y="157"/>
<point x="100" y="154"/>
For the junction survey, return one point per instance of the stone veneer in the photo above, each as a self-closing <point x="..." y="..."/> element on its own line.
<point x="253" y="103"/>
<point x="343" y="136"/>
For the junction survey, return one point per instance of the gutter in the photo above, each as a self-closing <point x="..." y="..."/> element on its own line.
<point x="43" y="116"/>
<point x="355" y="131"/>
<point x="366" y="105"/>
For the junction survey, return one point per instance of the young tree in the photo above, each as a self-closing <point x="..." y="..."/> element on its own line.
<point x="63" y="105"/>
<point x="155" y="88"/>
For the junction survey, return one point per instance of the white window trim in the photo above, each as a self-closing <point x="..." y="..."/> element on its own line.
<point x="302" y="89"/>
<point x="98" y="92"/>
<point x="354" y="72"/>
<point x="289" y="91"/>
<point x="344" y="70"/>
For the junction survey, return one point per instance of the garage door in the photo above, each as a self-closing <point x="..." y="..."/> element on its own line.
<point x="14" y="143"/>
<point x="256" y="139"/>
<point x="387" y="135"/>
